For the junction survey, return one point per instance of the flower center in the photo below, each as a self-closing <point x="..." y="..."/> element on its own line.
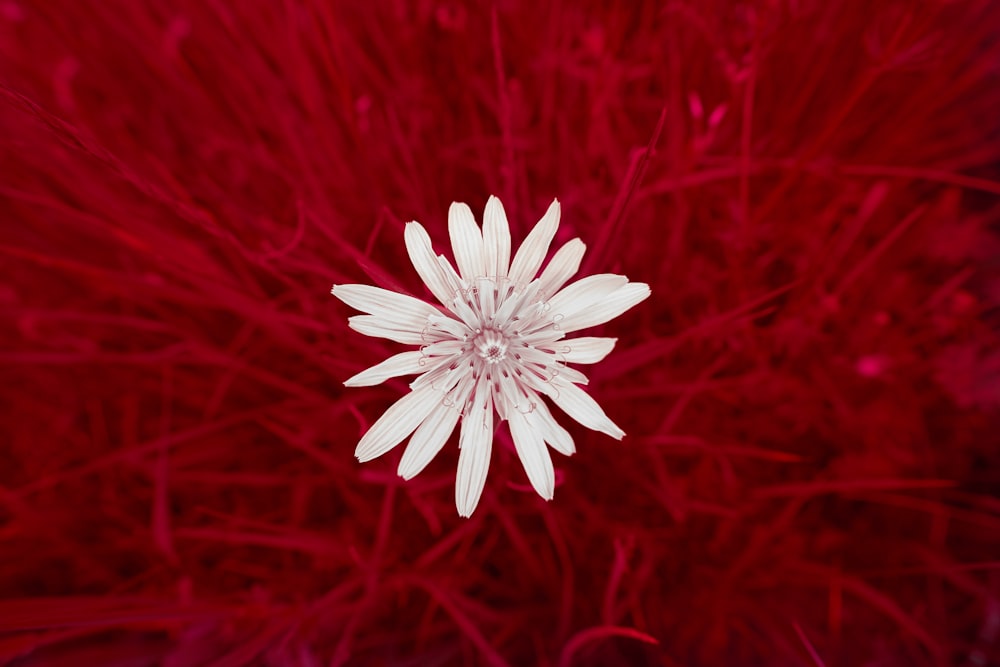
<point x="491" y="345"/>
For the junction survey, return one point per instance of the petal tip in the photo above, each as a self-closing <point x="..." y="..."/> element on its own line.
<point x="363" y="453"/>
<point x="466" y="506"/>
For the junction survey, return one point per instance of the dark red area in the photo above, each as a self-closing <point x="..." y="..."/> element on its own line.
<point x="811" y="394"/>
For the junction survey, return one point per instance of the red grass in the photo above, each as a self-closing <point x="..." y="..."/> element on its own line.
<point x="812" y="394"/>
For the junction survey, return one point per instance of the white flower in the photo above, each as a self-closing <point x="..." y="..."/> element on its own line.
<point x="497" y="344"/>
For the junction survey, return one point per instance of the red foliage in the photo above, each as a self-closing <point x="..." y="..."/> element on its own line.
<point x="811" y="394"/>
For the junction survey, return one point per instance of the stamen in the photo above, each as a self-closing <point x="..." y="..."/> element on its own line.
<point x="491" y="345"/>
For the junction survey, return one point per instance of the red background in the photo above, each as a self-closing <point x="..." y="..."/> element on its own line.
<point x="811" y="394"/>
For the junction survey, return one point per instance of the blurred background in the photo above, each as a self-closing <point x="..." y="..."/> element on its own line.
<point x="811" y="394"/>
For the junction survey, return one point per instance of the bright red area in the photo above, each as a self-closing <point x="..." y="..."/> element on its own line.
<point x="811" y="395"/>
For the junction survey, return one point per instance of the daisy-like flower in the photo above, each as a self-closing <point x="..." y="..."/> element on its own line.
<point x="495" y="344"/>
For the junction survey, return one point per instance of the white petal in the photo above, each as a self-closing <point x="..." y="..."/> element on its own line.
<point x="517" y="399"/>
<point x="563" y="265"/>
<point x="460" y="307"/>
<point x="428" y="440"/>
<point x="476" y="443"/>
<point x="377" y="327"/>
<point x="533" y="454"/>
<point x="473" y="466"/>
<point x="443" y="374"/>
<point x="515" y="302"/>
<point x="583" y="294"/>
<point x="496" y="239"/>
<point x="551" y="431"/>
<point x="548" y="366"/>
<point x="397" y="422"/>
<point x="448" y="326"/>
<point x="503" y="394"/>
<point x="418" y="246"/>
<point x="405" y="363"/>
<point x="443" y="348"/>
<point x="584" y="350"/>
<point x="451" y="277"/>
<point x="487" y="297"/>
<point x="378" y="301"/>
<point x="466" y="241"/>
<point x="580" y="406"/>
<point x="604" y="309"/>
<point x="532" y="252"/>
<point x="571" y="374"/>
<point x="541" y="382"/>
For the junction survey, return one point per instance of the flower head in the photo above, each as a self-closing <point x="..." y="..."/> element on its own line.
<point x="495" y="345"/>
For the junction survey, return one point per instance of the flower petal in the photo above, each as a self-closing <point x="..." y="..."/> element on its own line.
<point x="487" y="292"/>
<point x="448" y="327"/>
<point x="604" y="309"/>
<point x="584" y="350"/>
<point x="476" y="443"/>
<point x="418" y="246"/>
<point x="384" y="303"/>
<point x="462" y="308"/>
<point x="443" y="373"/>
<point x="563" y="265"/>
<point x="451" y="277"/>
<point x="551" y="431"/>
<point x="532" y="252"/>
<point x="444" y="348"/>
<point x="496" y="239"/>
<point x="515" y="303"/>
<point x="405" y="363"/>
<point x="466" y="241"/>
<point x="428" y="440"/>
<point x="579" y="405"/>
<point x="584" y="293"/>
<point x="509" y="394"/>
<point x="378" y="327"/>
<point x="571" y="374"/>
<point x="397" y="422"/>
<point x="533" y="454"/>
